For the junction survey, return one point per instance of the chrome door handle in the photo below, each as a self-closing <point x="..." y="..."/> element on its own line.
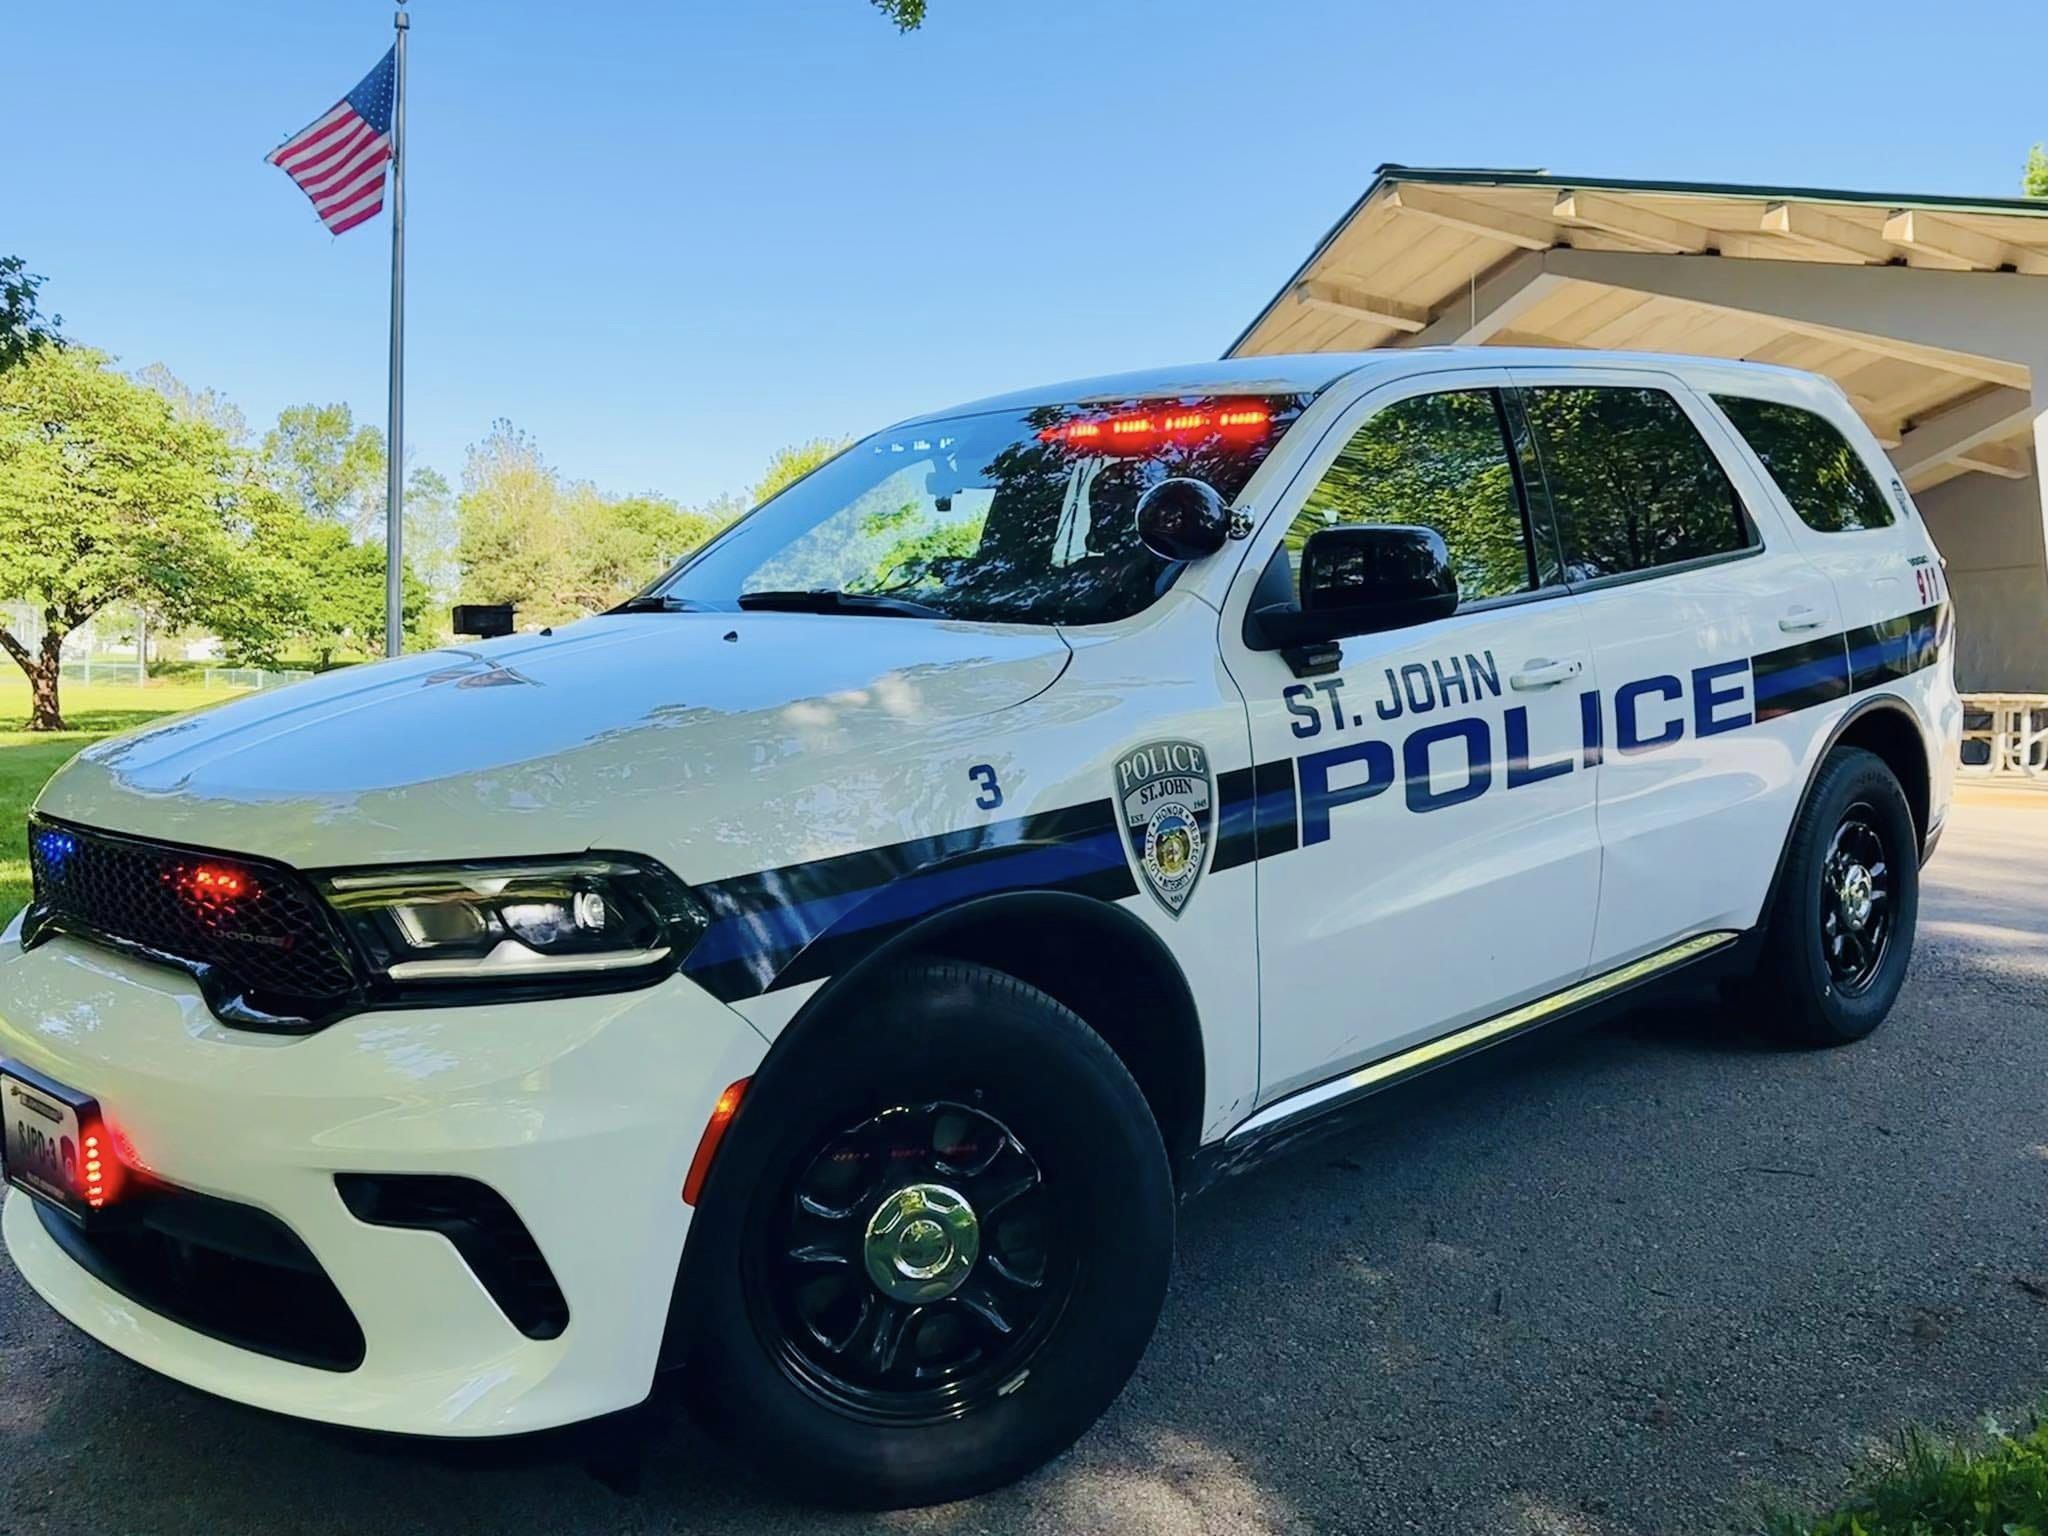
<point x="1800" y="619"/>
<point x="1543" y="673"/>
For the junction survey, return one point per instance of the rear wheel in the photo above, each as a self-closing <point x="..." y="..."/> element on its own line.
<point x="1841" y="930"/>
<point x="933" y="1247"/>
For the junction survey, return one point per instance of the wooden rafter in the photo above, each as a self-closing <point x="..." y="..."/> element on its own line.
<point x="1473" y="216"/>
<point x="1343" y="299"/>
<point x="1644" y="227"/>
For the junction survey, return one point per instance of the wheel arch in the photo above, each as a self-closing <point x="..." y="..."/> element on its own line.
<point x="1885" y="726"/>
<point x="1090" y="955"/>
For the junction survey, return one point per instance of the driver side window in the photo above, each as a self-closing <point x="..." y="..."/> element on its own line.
<point x="1436" y="461"/>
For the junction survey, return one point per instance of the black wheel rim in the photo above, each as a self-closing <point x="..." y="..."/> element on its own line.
<point x="879" y="1293"/>
<point x="1858" y="896"/>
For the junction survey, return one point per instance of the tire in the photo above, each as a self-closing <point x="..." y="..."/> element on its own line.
<point x="1822" y="979"/>
<point x="942" y="1075"/>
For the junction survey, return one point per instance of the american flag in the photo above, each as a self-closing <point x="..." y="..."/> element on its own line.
<point x="338" y="159"/>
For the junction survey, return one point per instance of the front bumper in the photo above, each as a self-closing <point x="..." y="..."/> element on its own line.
<point x="583" y="1114"/>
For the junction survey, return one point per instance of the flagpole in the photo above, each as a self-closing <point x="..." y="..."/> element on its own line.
<point x="394" y="491"/>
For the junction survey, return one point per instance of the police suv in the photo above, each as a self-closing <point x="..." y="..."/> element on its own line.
<point x="825" y="971"/>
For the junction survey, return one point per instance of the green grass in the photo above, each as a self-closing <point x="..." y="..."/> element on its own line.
<point x="1936" y="1488"/>
<point x="28" y="758"/>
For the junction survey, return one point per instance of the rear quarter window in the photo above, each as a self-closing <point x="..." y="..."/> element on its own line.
<point x="1820" y="473"/>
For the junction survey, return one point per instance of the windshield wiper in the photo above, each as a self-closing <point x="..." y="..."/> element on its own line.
<point x="658" y="602"/>
<point x="828" y="601"/>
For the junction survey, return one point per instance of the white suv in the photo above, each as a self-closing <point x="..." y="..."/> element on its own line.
<point x="825" y="972"/>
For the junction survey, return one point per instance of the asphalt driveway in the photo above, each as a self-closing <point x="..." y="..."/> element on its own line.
<point x="1661" y="1273"/>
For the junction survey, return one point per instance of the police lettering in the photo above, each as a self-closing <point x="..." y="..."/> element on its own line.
<point x="1447" y="763"/>
<point x="1172" y="757"/>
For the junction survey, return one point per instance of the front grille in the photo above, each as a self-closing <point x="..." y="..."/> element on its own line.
<point x="226" y="1270"/>
<point x="254" y="934"/>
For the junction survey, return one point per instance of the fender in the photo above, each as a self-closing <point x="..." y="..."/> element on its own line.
<point x="1016" y="912"/>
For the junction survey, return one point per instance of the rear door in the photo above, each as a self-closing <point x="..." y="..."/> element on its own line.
<point x="1834" y="501"/>
<point x="1712" y="634"/>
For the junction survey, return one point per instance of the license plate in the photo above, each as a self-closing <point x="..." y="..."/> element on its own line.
<point x="42" y="1127"/>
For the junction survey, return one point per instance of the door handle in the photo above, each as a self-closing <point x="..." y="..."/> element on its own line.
<point x="1543" y="673"/>
<point x="1801" y="618"/>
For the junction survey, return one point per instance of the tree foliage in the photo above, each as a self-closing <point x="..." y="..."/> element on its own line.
<point x="1435" y="460"/>
<point x="558" y="549"/>
<point x="907" y="14"/>
<point x="23" y="327"/>
<point x="2035" y="179"/>
<point x="332" y="467"/>
<point x="106" y="496"/>
<point x="791" y="464"/>
<point x="430" y="530"/>
<point x="300" y="586"/>
<point x="188" y="404"/>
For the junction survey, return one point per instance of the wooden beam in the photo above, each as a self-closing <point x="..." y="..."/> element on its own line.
<point x="1816" y="226"/>
<point x="1702" y="283"/>
<point x="1343" y="299"/>
<point x="1768" y="248"/>
<point x="2008" y="461"/>
<point x="1610" y="215"/>
<point x="1946" y="436"/>
<point x="1959" y="246"/>
<point x="1473" y="216"/>
<point x="1944" y="244"/>
<point x="1490" y="306"/>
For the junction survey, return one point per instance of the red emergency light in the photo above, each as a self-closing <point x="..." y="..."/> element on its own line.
<point x="1137" y="431"/>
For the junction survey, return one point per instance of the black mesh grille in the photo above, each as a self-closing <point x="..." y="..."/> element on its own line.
<point x="253" y="933"/>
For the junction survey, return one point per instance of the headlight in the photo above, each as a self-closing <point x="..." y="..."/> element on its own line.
<point x="598" y="920"/>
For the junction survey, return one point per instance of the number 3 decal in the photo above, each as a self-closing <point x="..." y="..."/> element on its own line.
<point x="991" y="796"/>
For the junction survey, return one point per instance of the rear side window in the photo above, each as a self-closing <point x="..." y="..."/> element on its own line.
<point x="1434" y="461"/>
<point x="1632" y="484"/>
<point x="1821" y="475"/>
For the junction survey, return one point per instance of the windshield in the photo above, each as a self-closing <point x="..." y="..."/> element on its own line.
<point x="1013" y="516"/>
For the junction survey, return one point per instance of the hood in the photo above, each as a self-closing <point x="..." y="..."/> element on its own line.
<point x="656" y="733"/>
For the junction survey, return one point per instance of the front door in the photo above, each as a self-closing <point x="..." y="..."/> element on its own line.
<point x="1426" y="847"/>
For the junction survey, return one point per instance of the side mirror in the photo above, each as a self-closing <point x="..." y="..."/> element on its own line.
<point x="1183" y="519"/>
<point x="1360" y="580"/>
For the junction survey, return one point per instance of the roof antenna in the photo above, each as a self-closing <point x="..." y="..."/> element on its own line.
<point x="1472" y="288"/>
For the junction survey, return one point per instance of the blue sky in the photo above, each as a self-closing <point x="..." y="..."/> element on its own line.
<point x="667" y="237"/>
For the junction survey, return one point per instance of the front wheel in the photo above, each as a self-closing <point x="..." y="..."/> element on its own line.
<point x="1841" y="929"/>
<point x="934" y="1245"/>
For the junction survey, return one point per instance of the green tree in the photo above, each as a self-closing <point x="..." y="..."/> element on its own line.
<point x="332" y="467"/>
<point x="623" y="542"/>
<point x="2035" y="180"/>
<point x="791" y="464"/>
<point x="300" y="585"/>
<point x="430" y="531"/>
<point x="106" y="496"/>
<point x="510" y="535"/>
<point x="23" y="327"/>
<point x="188" y="404"/>
<point x="557" y="549"/>
<point x="907" y="14"/>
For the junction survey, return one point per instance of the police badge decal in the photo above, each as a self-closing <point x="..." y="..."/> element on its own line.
<point x="1166" y="795"/>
